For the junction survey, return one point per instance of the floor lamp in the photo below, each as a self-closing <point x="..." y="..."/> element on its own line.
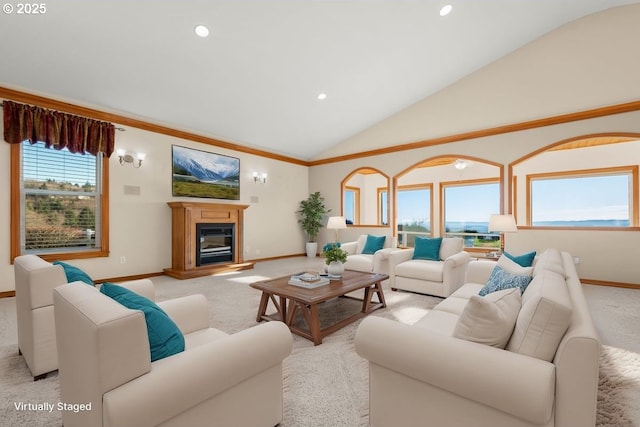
<point x="336" y="223"/>
<point x="502" y="224"/>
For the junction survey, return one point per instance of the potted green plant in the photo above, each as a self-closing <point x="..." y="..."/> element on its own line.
<point x="312" y="212"/>
<point x="335" y="257"/>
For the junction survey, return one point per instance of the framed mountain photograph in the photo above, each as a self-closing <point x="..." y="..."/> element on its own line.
<point x="197" y="173"/>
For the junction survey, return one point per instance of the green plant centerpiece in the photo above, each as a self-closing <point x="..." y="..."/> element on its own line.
<point x="333" y="252"/>
<point x="311" y="218"/>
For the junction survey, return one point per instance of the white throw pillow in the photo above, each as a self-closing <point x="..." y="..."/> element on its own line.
<point x="489" y="320"/>
<point x="513" y="267"/>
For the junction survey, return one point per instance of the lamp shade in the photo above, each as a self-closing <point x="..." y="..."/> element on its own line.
<point x="336" y="223"/>
<point x="502" y="223"/>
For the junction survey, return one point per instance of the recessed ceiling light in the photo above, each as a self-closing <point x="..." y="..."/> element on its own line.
<point x="446" y="10"/>
<point x="322" y="96"/>
<point x="201" y="31"/>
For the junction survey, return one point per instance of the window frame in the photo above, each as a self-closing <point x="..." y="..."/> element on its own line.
<point x="16" y="213"/>
<point x="481" y="181"/>
<point x="610" y="171"/>
<point x="356" y="203"/>
<point x="381" y="205"/>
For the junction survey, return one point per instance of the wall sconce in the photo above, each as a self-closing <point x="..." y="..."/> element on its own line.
<point x="126" y="157"/>
<point x="260" y="177"/>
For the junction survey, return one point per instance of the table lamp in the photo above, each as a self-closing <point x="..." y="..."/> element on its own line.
<point x="502" y="224"/>
<point x="336" y="223"/>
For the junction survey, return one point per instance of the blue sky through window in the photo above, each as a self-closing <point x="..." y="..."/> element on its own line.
<point x="587" y="198"/>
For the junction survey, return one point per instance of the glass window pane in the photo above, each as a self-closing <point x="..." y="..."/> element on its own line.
<point x="581" y="201"/>
<point x="414" y="214"/>
<point x="60" y="200"/>
<point x="467" y="209"/>
<point x="350" y="206"/>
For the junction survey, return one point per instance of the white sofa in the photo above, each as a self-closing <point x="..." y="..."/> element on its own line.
<point x="440" y="278"/>
<point x="369" y="263"/>
<point x="35" y="280"/>
<point x="422" y="375"/>
<point x="218" y="380"/>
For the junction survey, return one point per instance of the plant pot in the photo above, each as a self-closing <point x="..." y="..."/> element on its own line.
<point x="335" y="268"/>
<point x="312" y="249"/>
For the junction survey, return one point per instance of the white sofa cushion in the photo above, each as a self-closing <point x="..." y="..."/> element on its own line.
<point x="489" y="320"/>
<point x="450" y="246"/>
<point x="360" y="262"/>
<point x="438" y="321"/>
<point x="421" y="269"/>
<point x="543" y="318"/>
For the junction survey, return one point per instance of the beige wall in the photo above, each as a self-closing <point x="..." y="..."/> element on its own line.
<point x="140" y="225"/>
<point x="604" y="255"/>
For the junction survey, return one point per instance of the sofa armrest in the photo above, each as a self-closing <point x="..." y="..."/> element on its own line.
<point x="190" y="313"/>
<point x="350" y="247"/>
<point x="381" y="260"/>
<point x="454" y="271"/>
<point x="177" y="383"/>
<point x="518" y="385"/>
<point x="397" y="257"/>
<point x="461" y="259"/>
<point x="35" y="280"/>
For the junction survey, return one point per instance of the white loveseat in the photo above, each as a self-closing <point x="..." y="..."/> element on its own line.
<point x="35" y="280"/>
<point x="433" y="277"/>
<point x="377" y="262"/>
<point x="422" y="375"/>
<point x="218" y="380"/>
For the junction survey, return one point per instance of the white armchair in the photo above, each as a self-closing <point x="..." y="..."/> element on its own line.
<point x="35" y="280"/>
<point x="433" y="277"/>
<point x="377" y="262"/>
<point x="106" y="369"/>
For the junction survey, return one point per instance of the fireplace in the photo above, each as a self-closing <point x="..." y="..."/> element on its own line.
<point x="206" y="238"/>
<point x="214" y="243"/>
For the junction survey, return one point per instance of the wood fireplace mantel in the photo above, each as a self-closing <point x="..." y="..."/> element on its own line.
<point x="184" y="218"/>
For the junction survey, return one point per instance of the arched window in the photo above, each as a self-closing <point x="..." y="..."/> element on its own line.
<point x="365" y="198"/>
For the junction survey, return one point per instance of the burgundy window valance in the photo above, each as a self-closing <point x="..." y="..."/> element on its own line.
<point x="58" y="130"/>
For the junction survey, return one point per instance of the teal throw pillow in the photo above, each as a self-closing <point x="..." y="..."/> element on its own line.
<point x="373" y="244"/>
<point x="524" y="260"/>
<point x="165" y="339"/>
<point x="500" y="280"/>
<point x="427" y="248"/>
<point x="74" y="274"/>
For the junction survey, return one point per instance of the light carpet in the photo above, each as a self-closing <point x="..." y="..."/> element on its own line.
<point x="325" y="385"/>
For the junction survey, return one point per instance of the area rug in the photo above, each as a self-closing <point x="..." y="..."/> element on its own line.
<point x="325" y="385"/>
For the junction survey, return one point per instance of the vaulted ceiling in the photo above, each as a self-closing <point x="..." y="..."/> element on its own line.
<point x="255" y="80"/>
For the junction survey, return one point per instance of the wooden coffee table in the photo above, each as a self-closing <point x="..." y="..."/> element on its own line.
<point x="289" y="300"/>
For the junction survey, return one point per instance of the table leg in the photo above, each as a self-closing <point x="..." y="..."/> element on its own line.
<point x="262" y="309"/>
<point x="377" y="288"/>
<point x="367" y="303"/>
<point x="283" y="309"/>
<point x="314" y="324"/>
